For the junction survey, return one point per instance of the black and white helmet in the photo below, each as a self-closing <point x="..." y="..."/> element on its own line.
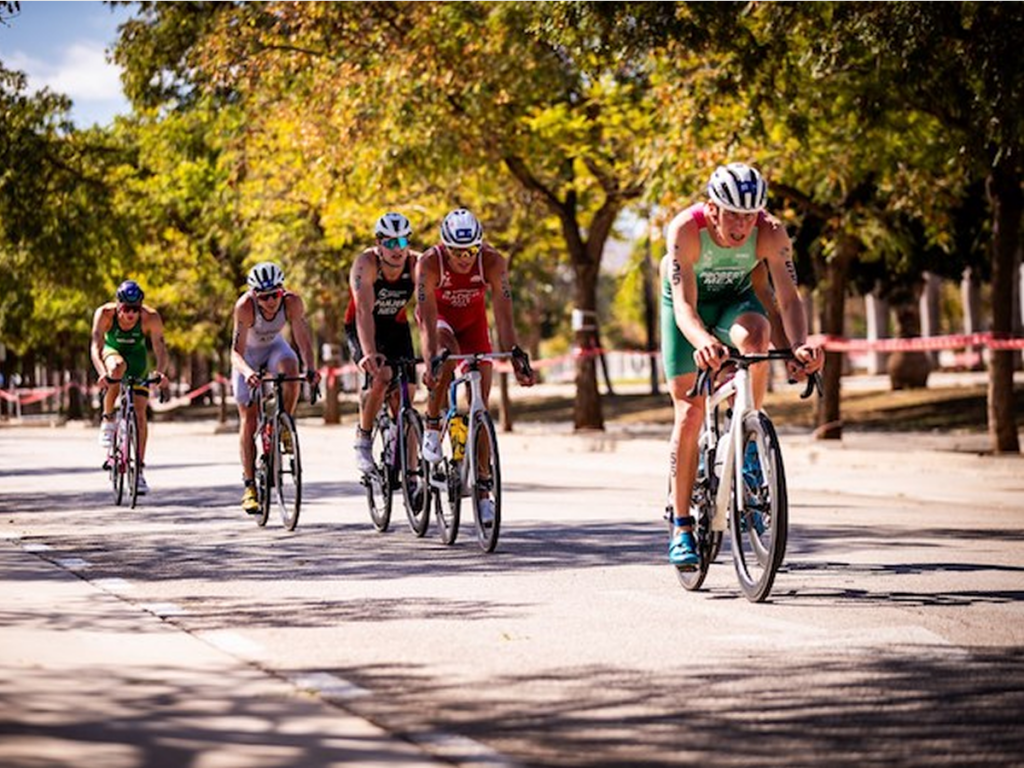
<point x="738" y="187"/>
<point x="265" y="276"/>
<point x="392" y="225"/>
<point x="460" y="229"/>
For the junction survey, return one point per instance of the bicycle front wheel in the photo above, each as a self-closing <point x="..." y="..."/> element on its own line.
<point x="264" y="476"/>
<point x="288" y="471"/>
<point x="414" y="472"/>
<point x="759" y="531"/>
<point x="378" y="481"/>
<point x="116" y="462"/>
<point x="131" y="457"/>
<point x="487" y="482"/>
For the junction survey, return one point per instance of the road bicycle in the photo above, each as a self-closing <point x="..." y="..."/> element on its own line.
<point x="278" y="458"/>
<point x="741" y="481"/>
<point x="396" y="442"/>
<point x="123" y="462"/>
<point x="470" y="464"/>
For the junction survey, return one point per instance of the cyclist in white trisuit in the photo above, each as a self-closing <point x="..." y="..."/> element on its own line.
<point x="718" y="250"/>
<point x="260" y="315"/>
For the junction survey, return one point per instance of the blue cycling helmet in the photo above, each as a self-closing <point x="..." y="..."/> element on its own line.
<point x="460" y="229"/>
<point x="129" y="292"/>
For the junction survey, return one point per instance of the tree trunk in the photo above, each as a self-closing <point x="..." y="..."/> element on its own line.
<point x="587" y="408"/>
<point x="1004" y="193"/>
<point x="830" y="425"/>
<point x="970" y="297"/>
<point x="909" y="369"/>
<point x="877" y="313"/>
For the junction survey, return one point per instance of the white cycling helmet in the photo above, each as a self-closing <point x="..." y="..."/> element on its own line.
<point x="738" y="187"/>
<point x="265" y="276"/>
<point x="392" y="225"/>
<point x="460" y="229"/>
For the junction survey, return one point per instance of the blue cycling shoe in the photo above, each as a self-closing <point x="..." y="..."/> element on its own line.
<point x="682" y="551"/>
<point x="752" y="466"/>
<point x="757" y="519"/>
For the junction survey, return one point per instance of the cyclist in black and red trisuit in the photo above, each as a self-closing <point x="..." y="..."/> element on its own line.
<point x="381" y="283"/>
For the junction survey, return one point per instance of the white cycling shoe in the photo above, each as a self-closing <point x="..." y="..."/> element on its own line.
<point x="364" y="457"/>
<point x="432" y="446"/>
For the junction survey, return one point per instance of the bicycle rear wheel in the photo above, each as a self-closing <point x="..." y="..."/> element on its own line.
<point x="414" y="472"/>
<point x="709" y="542"/>
<point x="132" y="462"/>
<point x="446" y="490"/>
<point x="759" y="533"/>
<point x="378" y="482"/>
<point x="288" y="474"/>
<point x="487" y="483"/>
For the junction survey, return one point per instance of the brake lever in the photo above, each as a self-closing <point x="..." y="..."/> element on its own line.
<point x="813" y="383"/>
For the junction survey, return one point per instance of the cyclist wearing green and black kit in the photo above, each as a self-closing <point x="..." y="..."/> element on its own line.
<point x="118" y="348"/>
<point x="711" y="279"/>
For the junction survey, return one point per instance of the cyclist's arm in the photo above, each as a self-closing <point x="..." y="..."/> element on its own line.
<point x="426" y="308"/>
<point x="496" y="272"/>
<point x="153" y="324"/>
<point x="361" y="279"/>
<point x="244" y="319"/>
<point x="775" y="247"/>
<point x="101" y="321"/>
<point x="766" y="295"/>
<point x="683" y="252"/>
<point x="295" y="311"/>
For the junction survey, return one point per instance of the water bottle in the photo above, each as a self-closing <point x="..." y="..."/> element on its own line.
<point x="459" y="430"/>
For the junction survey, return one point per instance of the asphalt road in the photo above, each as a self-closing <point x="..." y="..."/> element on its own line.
<point x="181" y="634"/>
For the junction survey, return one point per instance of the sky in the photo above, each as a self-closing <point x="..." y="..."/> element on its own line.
<point x="62" y="46"/>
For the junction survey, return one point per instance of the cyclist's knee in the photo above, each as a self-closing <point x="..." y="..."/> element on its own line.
<point x="751" y="334"/>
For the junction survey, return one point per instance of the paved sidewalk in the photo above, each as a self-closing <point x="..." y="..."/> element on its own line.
<point x="164" y="699"/>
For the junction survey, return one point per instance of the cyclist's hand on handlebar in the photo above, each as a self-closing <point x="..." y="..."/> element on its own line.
<point x="810" y="358"/>
<point x="371" y="364"/>
<point x="711" y="355"/>
<point x="521" y="366"/>
<point x="253" y="379"/>
<point x="313" y="377"/>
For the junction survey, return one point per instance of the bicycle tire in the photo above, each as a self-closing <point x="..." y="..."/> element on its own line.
<point x="485" y="438"/>
<point x="132" y="462"/>
<point x="264" y="477"/>
<point x="759" y="534"/>
<point x="447" y="499"/>
<point x="414" y="471"/>
<point x="288" y="471"/>
<point x="116" y="460"/>
<point x="378" y="482"/>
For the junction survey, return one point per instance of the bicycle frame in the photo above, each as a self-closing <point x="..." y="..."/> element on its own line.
<point x="118" y="454"/>
<point x="472" y="380"/>
<point x="740" y="388"/>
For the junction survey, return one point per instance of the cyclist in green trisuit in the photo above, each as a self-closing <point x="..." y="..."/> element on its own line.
<point x="118" y="348"/>
<point x="721" y="254"/>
